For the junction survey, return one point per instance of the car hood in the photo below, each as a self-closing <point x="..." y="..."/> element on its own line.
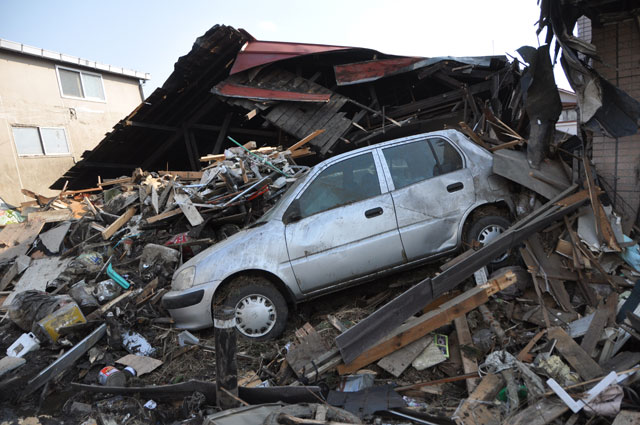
<point x="261" y="247"/>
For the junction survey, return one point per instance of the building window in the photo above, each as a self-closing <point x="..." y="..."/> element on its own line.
<point x="80" y="84"/>
<point x="38" y="141"/>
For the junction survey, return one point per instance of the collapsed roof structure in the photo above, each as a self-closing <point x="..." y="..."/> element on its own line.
<point x="275" y="93"/>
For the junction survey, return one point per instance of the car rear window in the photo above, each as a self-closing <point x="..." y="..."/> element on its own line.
<point x="410" y="163"/>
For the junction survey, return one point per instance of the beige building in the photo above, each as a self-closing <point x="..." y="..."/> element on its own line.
<point x="53" y="107"/>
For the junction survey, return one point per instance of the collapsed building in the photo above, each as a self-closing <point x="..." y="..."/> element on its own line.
<point x="554" y="338"/>
<point x="275" y="93"/>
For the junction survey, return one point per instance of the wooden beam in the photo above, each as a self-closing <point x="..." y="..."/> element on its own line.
<point x="472" y="134"/>
<point x="236" y="130"/>
<point x="129" y="123"/>
<point x="192" y="152"/>
<point x="186" y="175"/>
<point x="474" y="409"/>
<point x="469" y="364"/>
<point x="505" y="145"/>
<point x="51" y="216"/>
<point x="305" y="140"/>
<point x="222" y="134"/>
<point x="120" y="221"/>
<point x="91" y="164"/>
<point x="164" y="215"/>
<point x="418" y="328"/>
<point x="581" y="362"/>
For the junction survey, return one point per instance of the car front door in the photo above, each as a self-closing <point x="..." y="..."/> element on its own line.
<point x="345" y="225"/>
<point x="431" y="189"/>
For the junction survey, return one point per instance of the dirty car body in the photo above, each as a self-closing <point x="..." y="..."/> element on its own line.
<point x="351" y="218"/>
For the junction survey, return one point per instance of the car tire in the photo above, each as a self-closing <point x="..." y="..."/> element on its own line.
<point x="261" y="310"/>
<point x="484" y="230"/>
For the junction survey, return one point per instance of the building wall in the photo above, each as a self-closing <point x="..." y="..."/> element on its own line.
<point x="618" y="161"/>
<point x="30" y="96"/>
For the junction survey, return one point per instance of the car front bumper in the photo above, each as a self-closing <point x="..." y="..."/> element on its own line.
<point x="191" y="308"/>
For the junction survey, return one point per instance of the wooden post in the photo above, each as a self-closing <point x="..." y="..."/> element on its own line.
<point x="226" y="366"/>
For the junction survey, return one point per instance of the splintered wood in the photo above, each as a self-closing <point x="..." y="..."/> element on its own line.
<point x="413" y="330"/>
<point x="308" y="349"/>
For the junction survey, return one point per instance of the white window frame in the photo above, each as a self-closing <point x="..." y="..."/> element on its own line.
<point x="90" y="99"/>
<point x="45" y="154"/>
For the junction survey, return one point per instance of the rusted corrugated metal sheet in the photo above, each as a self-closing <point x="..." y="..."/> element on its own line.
<point x="256" y="93"/>
<point x="256" y="53"/>
<point x="360" y="72"/>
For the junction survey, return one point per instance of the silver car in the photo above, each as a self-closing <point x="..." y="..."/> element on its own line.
<point x="350" y="219"/>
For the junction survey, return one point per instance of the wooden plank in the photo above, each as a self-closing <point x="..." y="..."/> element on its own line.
<point x="474" y="409"/>
<point x="185" y="175"/>
<point x="299" y="153"/>
<point x="103" y="309"/>
<point x="396" y="362"/>
<point x="596" y="327"/>
<point x="525" y="355"/>
<point x="541" y="413"/>
<point x="120" y="221"/>
<point x="603" y="226"/>
<point x="51" y="216"/>
<point x="549" y="266"/>
<point x="15" y="239"/>
<point x="472" y="134"/>
<point x="305" y="140"/>
<point x="410" y="332"/>
<point x="581" y="362"/>
<point x="116" y="181"/>
<point x="505" y="145"/>
<point x="164" y="215"/>
<point x="310" y="346"/>
<point x="188" y="209"/>
<point x="147" y="292"/>
<point x="470" y="365"/>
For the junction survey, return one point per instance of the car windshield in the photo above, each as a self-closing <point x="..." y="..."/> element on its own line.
<point x="269" y="214"/>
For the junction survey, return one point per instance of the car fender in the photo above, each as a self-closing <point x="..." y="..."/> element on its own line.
<point x="261" y="248"/>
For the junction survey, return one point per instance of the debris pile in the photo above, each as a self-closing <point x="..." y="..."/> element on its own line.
<point x="556" y="331"/>
<point x="539" y="325"/>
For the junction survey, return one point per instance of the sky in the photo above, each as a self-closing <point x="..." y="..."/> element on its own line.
<point x="149" y="36"/>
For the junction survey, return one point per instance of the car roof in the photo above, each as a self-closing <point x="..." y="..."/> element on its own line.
<point x="445" y="133"/>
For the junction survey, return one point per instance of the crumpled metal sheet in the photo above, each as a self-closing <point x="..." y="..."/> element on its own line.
<point x="541" y="100"/>
<point x="604" y="108"/>
<point x="368" y="401"/>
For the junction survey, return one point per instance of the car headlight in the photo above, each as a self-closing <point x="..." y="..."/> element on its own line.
<point x="184" y="279"/>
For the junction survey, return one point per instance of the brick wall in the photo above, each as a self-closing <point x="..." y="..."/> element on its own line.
<point x="618" y="161"/>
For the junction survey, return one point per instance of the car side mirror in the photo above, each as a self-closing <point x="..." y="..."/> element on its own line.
<point x="293" y="213"/>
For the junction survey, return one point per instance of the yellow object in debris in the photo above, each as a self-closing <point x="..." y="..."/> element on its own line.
<point x="68" y="315"/>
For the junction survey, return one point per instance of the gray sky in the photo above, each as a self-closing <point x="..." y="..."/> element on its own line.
<point x="149" y="36"/>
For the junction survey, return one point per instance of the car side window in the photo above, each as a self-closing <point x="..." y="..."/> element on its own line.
<point x="449" y="158"/>
<point x="410" y="163"/>
<point x="347" y="181"/>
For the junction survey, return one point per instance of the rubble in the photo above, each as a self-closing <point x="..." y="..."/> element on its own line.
<point x="553" y="336"/>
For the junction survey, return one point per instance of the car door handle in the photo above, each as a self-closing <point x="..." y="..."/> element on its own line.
<point x="454" y="187"/>
<point x="373" y="212"/>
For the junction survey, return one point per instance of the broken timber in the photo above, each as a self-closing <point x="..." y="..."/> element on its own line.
<point x="364" y="335"/>
<point x="416" y="329"/>
<point x="116" y="225"/>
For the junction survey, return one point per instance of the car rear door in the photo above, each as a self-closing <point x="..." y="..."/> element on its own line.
<point x="347" y="226"/>
<point x="431" y="188"/>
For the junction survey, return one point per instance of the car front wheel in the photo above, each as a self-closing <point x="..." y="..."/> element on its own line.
<point x="261" y="310"/>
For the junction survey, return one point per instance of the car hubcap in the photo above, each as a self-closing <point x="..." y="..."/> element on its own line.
<point x="488" y="235"/>
<point x="255" y="315"/>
